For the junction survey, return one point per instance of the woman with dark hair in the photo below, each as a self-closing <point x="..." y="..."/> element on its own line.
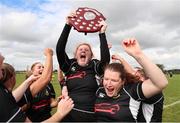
<point x="120" y="97"/>
<point x="150" y="109"/>
<point x="80" y="82"/>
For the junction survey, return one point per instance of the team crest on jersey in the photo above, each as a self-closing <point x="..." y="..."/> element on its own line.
<point x="47" y="94"/>
<point x="101" y="95"/>
<point x="73" y="69"/>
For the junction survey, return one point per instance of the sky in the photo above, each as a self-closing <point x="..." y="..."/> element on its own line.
<point x="27" y="27"/>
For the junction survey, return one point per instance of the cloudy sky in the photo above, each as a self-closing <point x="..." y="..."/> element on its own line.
<point x="29" y="26"/>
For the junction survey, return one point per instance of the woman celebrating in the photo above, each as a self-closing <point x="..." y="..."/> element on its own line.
<point x="120" y="97"/>
<point x="8" y="104"/>
<point x="80" y="73"/>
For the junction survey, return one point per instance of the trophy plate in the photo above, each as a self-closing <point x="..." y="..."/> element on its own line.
<point x="87" y="20"/>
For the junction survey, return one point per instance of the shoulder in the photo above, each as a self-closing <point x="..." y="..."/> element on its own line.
<point x="132" y="86"/>
<point x="4" y="93"/>
<point x="134" y="90"/>
<point x="72" y="64"/>
<point x="26" y="98"/>
<point x="95" y="61"/>
<point x="155" y="99"/>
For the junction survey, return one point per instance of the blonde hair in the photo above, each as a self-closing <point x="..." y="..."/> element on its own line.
<point x="86" y="45"/>
<point x="29" y="72"/>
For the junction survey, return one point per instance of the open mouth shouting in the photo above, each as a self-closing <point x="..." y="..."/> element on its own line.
<point x="110" y="91"/>
<point x="83" y="56"/>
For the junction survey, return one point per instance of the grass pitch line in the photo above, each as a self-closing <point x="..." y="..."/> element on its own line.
<point x="174" y="103"/>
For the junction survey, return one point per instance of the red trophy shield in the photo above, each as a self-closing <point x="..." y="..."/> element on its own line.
<point x="87" y="20"/>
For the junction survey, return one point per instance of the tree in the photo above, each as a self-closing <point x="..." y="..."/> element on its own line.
<point x="161" y="66"/>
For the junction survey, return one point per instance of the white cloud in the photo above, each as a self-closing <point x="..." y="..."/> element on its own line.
<point x="24" y="33"/>
<point x="150" y="35"/>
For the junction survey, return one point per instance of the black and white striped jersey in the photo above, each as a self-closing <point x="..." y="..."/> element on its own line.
<point x="151" y="109"/>
<point x="123" y="108"/>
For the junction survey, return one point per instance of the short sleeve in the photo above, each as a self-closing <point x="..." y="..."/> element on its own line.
<point x="135" y="91"/>
<point x="51" y="90"/>
<point x="26" y="99"/>
<point x="154" y="99"/>
<point x="9" y="110"/>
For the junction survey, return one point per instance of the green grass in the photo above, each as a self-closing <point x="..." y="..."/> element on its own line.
<point x="20" y="77"/>
<point x="171" y="93"/>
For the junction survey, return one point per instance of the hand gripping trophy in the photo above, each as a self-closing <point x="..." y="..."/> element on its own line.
<point x="87" y="20"/>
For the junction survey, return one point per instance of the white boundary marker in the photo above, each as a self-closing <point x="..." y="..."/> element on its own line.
<point x="174" y="103"/>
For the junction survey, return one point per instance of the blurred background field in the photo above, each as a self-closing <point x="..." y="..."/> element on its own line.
<point x="172" y="95"/>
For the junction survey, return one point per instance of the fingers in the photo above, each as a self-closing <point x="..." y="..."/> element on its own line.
<point x="103" y="26"/>
<point x="33" y="78"/>
<point x="65" y="106"/>
<point x="48" y="51"/>
<point x="129" y="42"/>
<point x="72" y="14"/>
<point x="101" y="23"/>
<point x="114" y="57"/>
<point x="65" y="99"/>
<point x="109" y="45"/>
<point x="68" y="101"/>
<point x="61" y="97"/>
<point x="132" y="47"/>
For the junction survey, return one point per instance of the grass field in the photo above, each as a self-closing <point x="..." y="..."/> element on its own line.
<point x="172" y="96"/>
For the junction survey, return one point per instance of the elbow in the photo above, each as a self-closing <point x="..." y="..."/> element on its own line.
<point x="165" y="84"/>
<point x="46" y="79"/>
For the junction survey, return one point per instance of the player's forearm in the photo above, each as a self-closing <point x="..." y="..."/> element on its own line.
<point x="152" y="71"/>
<point x="19" y="91"/>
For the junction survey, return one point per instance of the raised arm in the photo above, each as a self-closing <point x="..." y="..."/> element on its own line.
<point x="126" y="65"/>
<point x="20" y="90"/>
<point x="104" y="50"/>
<point x="62" y="57"/>
<point x="157" y="80"/>
<point x="46" y="76"/>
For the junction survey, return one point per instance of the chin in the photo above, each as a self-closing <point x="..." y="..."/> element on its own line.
<point x="110" y="95"/>
<point x="82" y="64"/>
